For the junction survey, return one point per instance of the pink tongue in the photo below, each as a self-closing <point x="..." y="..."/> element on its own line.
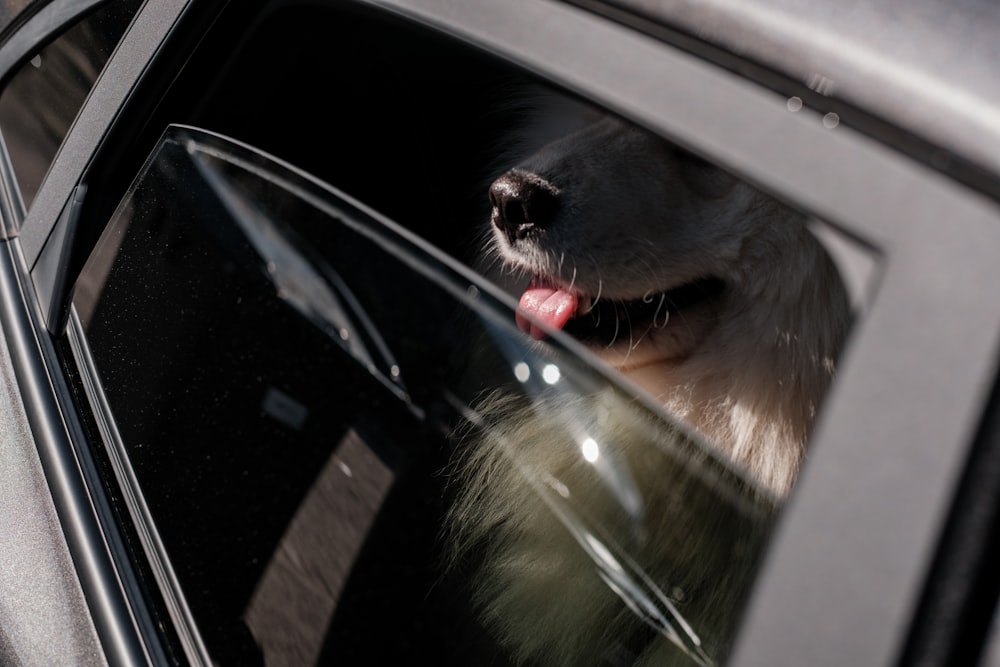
<point x="543" y="303"/>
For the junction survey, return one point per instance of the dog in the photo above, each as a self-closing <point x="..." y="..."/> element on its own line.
<point x="723" y="310"/>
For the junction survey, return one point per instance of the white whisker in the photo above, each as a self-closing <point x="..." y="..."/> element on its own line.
<point x="666" y="312"/>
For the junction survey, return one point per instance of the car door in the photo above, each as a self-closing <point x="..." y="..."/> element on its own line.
<point x="251" y="319"/>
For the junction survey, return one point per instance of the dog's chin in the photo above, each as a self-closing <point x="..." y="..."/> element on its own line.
<point x="655" y="328"/>
<point x="654" y="331"/>
<point x="644" y="354"/>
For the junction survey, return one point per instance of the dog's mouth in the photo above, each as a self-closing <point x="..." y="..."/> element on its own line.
<point x="606" y="321"/>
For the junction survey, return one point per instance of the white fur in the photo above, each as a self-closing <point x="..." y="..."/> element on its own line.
<point x="747" y="370"/>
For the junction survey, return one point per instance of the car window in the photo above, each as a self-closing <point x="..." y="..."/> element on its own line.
<point x="41" y="98"/>
<point x="291" y="379"/>
<point x="382" y="391"/>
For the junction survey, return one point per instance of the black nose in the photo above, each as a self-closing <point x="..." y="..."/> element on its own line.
<point x="523" y="202"/>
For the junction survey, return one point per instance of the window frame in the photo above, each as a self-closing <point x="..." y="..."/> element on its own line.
<point x="863" y="559"/>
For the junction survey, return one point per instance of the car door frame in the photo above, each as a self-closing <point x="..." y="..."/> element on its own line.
<point x="125" y="626"/>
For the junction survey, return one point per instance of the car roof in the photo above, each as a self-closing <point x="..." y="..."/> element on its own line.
<point x="926" y="67"/>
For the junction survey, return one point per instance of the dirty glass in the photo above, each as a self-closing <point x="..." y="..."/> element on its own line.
<point x="342" y="446"/>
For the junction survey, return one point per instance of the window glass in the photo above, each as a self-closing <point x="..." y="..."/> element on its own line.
<point x="42" y="98"/>
<point x="342" y="445"/>
<point x="11" y="9"/>
<point x="991" y="650"/>
<point x="351" y="450"/>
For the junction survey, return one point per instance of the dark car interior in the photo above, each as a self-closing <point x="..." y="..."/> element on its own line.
<point x="343" y="95"/>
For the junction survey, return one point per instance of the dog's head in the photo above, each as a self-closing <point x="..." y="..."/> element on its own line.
<point x="620" y="231"/>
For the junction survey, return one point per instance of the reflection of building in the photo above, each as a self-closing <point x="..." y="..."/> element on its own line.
<point x="39" y="103"/>
<point x="10" y="10"/>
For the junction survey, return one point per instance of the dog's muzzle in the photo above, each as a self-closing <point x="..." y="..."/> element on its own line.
<point x="523" y="203"/>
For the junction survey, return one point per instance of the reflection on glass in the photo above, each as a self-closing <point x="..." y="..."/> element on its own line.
<point x="42" y="98"/>
<point x="309" y="398"/>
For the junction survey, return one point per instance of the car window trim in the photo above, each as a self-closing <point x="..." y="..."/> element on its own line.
<point x="127" y="633"/>
<point x="187" y="631"/>
<point x="36" y="548"/>
<point x="91" y="544"/>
